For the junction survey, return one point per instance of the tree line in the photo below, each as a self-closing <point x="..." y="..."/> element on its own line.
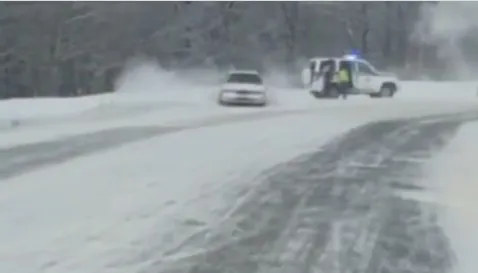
<point x="77" y="48"/>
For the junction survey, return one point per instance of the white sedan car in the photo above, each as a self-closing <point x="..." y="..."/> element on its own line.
<point x="243" y="88"/>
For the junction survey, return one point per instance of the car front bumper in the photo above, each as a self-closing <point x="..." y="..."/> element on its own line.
<point x="242" y="99"/>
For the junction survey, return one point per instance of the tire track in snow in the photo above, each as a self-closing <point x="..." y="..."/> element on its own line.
<point x="334" y="211"/>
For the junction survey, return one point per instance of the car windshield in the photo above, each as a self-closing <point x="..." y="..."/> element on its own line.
<point x="244" y="78"/>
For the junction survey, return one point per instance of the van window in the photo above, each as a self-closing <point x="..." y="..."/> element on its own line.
<point x="345" y="64"/>
<point x="327" y="64"/>
<point x="363" y="68"/>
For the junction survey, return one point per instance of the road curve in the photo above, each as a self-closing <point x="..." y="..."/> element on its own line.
<point x="19" y="159"/>
<point x="338" y="209"/>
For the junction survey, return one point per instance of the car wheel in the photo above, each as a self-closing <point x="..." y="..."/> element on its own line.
<point x="386" y="91"/>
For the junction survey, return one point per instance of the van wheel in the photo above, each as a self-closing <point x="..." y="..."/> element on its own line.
<point x="387" y="91"/>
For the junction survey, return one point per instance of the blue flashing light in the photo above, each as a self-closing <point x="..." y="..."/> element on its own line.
<point x="352" y="54"/>
<point x="355" y="52"/>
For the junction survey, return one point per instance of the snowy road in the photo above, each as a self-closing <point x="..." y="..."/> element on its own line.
<point x="335" y="210"/>
<point x="338" y="206"/>
<point x="19" y="159"/>
<point x="27" y="157"/>
<point x="321" y="188"/>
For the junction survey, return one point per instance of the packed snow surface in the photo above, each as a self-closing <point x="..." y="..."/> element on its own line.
<point x="454" y="178"/>
<point x="60" y="222"/>
<point x="98" y="212"/>
<point x="144" y="98"/>
<point x="34" y="120"/>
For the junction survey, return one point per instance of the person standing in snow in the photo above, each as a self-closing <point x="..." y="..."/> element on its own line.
<point x="343" y="84"/>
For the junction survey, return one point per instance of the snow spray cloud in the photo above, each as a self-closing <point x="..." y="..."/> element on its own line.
<point x="445" y="25"/>
<point x="141" y="74"/>
<point x="147" y="78"/>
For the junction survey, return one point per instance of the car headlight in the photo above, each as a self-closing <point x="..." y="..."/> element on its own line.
<point x="228" y="94"/>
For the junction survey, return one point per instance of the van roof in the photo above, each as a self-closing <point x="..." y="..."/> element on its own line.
<point x="320" y="59"/>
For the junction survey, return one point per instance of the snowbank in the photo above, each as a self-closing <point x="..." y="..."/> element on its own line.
<point x="143" y="86"/>
<point x="430" y="90"/>
<point x="27" y="111"/>
<point x="454" y="179"/>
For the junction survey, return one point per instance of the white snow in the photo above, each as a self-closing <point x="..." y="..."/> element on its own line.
<point x="49" y="119"/>
<point x="100" y="213"/>
<point x="105" y="119"/>
<point x="79" y="223"/>
<point x="145" y="86"/>
<point x="454" y="177"/>
<point x="169" y="94"/>
<point x="30" y="110"/>
<point x="156" y="114"/>
<point x="436" y="91"/>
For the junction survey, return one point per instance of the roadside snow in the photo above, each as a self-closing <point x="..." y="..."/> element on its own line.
<point x="182" y="115"/>
<point x="435" y="91"/>
<point x="166" y="99"/>
<point x="172" y="93"/>
<point x="93" y="122"/>
<point x="454" y="177"/>
<point x="27" y="111"/>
